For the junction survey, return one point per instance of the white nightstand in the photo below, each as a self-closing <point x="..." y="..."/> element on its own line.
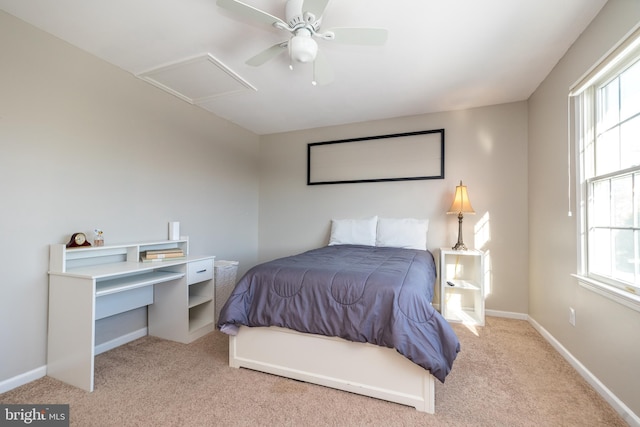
<point x="462" y="286"/>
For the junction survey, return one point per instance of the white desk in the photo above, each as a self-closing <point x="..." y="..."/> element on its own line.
<point x="90" y="283"/>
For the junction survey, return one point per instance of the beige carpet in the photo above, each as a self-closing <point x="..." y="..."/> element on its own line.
<point x="506" y="375"/>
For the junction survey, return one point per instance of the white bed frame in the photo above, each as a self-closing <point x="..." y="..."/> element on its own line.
<point x="360" y="368"/>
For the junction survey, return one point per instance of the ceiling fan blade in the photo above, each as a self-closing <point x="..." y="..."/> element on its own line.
<point x="316" y="7"/>
<point x="322" y="71"/>
<point x="249" y="12"/>
<point x="360" y="36"/>
<point x="293" y="12"/>
<point x="267" y="54"/>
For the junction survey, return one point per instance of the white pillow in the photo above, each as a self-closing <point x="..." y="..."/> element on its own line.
<point x="405" y="233"/>
<point x="353" y="231"/>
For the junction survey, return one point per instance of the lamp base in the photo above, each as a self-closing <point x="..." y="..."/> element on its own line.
<point x="460" y="246"/>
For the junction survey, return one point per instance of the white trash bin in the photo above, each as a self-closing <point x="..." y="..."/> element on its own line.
<point x="225" y="280"/>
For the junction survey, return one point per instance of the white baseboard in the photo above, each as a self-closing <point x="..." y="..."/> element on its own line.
<point x="22" y="379"/>
<point x="131" y="336"/>
<point x="27" y="377"/>
<point x="507" y="314"/>
<point x="627" y="414"/>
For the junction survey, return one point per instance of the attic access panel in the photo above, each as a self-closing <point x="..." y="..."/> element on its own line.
<point x="397" y="157"/>
<point x="197" y="79"/>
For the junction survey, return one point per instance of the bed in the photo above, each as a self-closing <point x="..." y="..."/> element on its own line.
<point x="352" y="316"/>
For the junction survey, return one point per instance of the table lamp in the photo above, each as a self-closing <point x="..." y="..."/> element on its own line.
<point x="461" y="205"/>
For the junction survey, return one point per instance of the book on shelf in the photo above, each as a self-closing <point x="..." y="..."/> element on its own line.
<point x="163" y="253"/>
<point x="144" y="258"/>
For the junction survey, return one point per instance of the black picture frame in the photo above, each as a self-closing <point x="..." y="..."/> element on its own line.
<point x="407" y="156"/>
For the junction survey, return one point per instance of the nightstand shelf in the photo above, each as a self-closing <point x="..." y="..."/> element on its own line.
<point x="462" y="284"/>
<point x="464" y="301"/>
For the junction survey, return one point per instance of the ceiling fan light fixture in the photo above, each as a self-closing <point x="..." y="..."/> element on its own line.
<point x="302" y="48"/>
<point x="303" y="19"/>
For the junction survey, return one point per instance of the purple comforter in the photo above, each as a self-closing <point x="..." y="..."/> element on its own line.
<point x="360" y="293"/>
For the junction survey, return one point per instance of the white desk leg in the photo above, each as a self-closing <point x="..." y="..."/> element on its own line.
<point x="70" y="350"/>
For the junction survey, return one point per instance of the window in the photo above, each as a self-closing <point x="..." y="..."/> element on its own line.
<point x="607" y="117"/>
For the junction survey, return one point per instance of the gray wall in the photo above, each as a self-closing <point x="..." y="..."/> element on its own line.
<point x="484" y="147"/>
<point x="84" y="144"/>
<point x="605" y="339"/>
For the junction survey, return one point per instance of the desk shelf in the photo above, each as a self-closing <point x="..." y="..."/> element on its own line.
<point x="199" y="318"/>
<point x="197" y="300"/>
<point x="126" y="283"/>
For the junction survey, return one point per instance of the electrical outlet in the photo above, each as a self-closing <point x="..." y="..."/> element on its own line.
<point x="572" y="316"/>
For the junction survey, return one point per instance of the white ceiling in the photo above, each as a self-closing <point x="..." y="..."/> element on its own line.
<point x="440" y="55"/>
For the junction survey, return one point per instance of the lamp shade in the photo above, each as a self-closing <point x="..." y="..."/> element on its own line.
<point x="461" y="203"/>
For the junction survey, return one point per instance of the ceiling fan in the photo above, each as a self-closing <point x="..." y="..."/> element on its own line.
<point x="302" y="20"/>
